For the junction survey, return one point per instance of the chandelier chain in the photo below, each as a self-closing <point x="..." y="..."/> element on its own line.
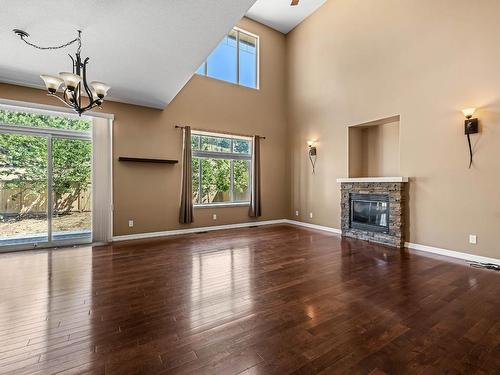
<point x="78" y="39"/>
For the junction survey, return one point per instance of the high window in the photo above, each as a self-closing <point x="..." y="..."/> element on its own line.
<point x="234" y="60"/>
<point x="222" y="167"/>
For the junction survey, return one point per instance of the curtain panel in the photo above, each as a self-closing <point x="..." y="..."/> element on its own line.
<point x="186" y="207"/>
<point x="102" y="183"/>
<point x="255" y="209"/>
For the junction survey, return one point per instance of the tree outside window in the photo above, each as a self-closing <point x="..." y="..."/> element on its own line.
<point x="221" y="169"/>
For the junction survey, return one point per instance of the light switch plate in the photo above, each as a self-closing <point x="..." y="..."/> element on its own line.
<point x="214" y="216"/>
<point x="472" y="239"/>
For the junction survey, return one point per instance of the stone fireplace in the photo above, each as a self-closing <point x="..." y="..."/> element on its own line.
<point x="374" y="209"/>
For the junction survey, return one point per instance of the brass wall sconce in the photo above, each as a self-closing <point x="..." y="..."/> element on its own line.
<point x="312" y="154"/>
<point x="471" y="127"/>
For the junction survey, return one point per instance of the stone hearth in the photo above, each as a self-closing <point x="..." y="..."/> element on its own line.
<point x="396" y="191"/>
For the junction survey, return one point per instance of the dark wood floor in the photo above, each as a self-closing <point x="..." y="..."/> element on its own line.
<point x="267" y="300"/>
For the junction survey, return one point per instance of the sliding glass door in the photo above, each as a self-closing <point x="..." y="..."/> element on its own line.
<point x="71" y="189"/>
<point x="23" y="189"/>
<point x="45" y="182"/>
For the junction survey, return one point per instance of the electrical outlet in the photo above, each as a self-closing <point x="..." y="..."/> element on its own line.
<point x="214" y="216"/>
<point x="472" y="239"/>
<point x="310" y="215"/>
<point x="130" y="223"/>
<point x="296" y="213"/>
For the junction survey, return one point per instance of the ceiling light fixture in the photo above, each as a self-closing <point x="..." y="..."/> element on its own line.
<point x="74" y="84"/>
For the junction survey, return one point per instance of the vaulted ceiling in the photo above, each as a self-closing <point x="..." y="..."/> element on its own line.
<point x="279" y="15"/>
<point x="146" y="50"/>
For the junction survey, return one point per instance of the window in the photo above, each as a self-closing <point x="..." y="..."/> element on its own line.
<point x="234" y="60"/>
<point x="222" y="167"/>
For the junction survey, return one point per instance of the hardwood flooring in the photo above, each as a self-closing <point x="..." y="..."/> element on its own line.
<point x="267" y="300"/>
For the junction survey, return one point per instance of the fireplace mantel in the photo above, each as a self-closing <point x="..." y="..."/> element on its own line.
<point x="373" y="179"/>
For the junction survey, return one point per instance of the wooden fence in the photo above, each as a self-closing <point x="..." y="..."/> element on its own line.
<point x="33" y="203"/>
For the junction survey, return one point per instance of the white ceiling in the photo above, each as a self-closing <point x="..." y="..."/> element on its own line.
<point x="146" y="50"/>
<point x="279" y="15"/>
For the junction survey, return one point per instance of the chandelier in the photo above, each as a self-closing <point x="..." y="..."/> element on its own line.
<point x="74" y="84"/>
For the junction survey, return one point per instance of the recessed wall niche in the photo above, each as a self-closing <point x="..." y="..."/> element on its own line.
<point x="374" y="148"/>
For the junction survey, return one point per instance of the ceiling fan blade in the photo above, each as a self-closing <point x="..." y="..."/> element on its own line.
<point x="294" y="2"/>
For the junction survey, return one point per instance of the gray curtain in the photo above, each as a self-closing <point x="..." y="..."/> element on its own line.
<point x="186" y="209"/>
<point x="255" y="201"/>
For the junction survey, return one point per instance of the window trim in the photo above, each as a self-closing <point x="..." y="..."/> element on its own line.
<point x="222" y="204"/>
<point x="257" y="61"/>
<point x="54" y="110"/>
<point x="231" y="156"/>
<point x="56" y="132"/>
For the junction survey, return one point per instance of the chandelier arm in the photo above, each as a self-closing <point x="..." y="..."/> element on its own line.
<point x="70" y="103"/>
<point x="91" y="105"/>
<point x="62" y="100"/>
<point x="73" y="62"/>
<point x="79" y="95"/>
<point x="85" y="84"/>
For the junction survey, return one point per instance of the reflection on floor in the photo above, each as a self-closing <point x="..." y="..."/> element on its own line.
<point x="266" y="300"/>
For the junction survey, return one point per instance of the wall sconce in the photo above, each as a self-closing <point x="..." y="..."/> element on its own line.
<point x="312" y="154"/>
<point x="471" y="127"/>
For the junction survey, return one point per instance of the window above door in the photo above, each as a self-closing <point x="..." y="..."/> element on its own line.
<point x="40" y="120"/>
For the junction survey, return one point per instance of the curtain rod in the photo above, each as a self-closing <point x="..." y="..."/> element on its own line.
<point x="220" y="132"/>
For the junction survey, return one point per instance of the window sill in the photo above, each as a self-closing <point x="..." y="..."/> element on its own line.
<point x="229" y="82"/>
<point x="222" y="205"/>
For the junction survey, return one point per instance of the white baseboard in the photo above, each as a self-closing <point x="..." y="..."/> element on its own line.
<point x="176" y="232"/>
<point x="314" y="226"/>
<point x="413" y="246"/>
<point x="451" y="253"/>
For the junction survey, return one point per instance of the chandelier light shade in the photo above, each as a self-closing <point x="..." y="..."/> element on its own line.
<point x="71" y="81"/>
<point x="100" y="88"/>
<point x="51" y="83"/>
<point x="76" y="92"/>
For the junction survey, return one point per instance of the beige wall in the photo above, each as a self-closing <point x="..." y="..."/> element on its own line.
<point x="374" y="150"/>
<point x="149" y="194"/>
<point x="351" y="62"/>
<point x="355" y="61"/>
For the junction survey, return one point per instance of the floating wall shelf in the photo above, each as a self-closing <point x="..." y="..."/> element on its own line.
<point x="147" y="160"/>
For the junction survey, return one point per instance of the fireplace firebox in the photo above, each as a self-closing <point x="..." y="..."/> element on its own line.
<point x="370" y="212"/>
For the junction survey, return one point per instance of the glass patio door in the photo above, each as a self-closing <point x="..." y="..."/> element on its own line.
<point x="71" y="189"/>
<point x="45" y="188"/>
<point x="24" y="196"/>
